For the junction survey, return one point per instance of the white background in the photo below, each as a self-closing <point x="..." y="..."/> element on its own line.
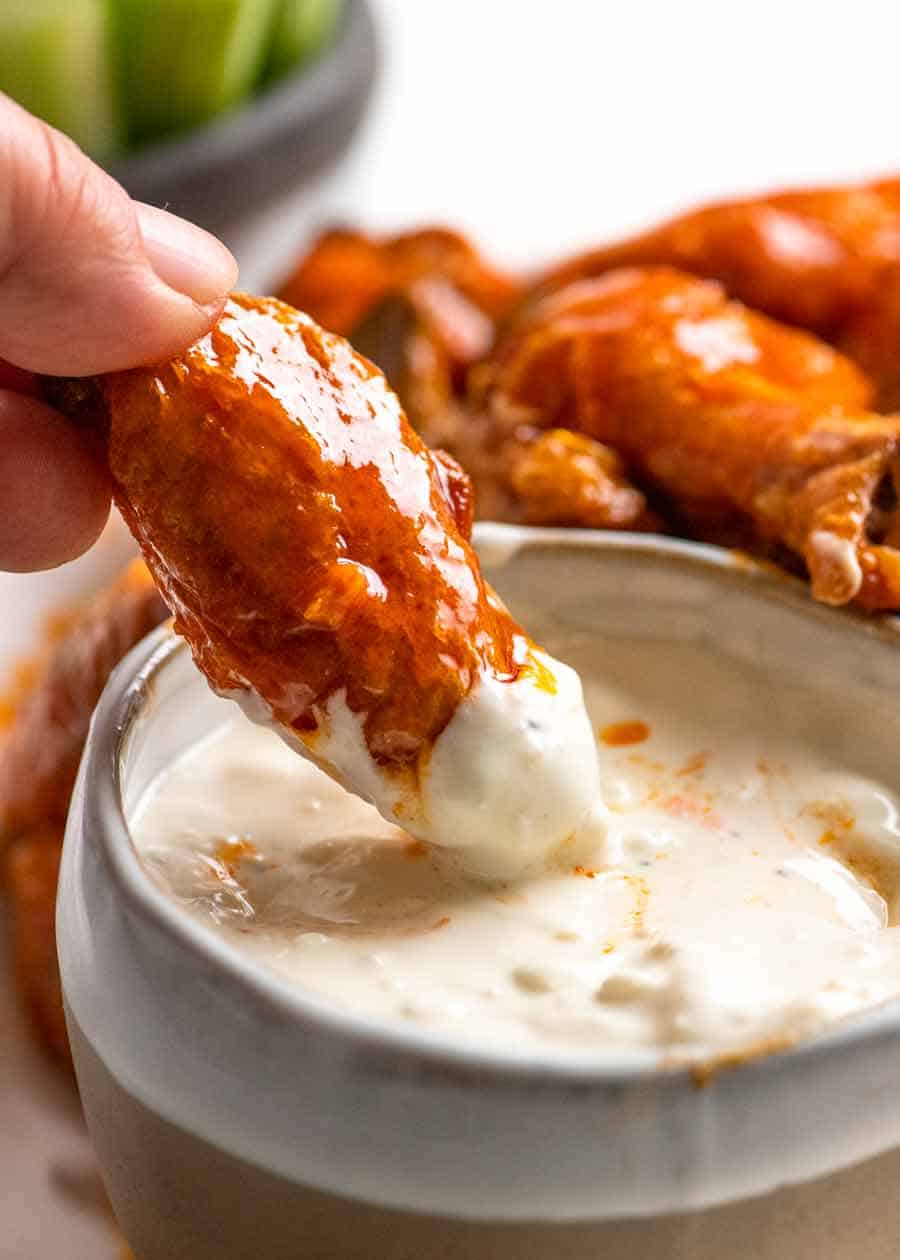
<point x="543" y="124"/>
<point x="538" y="125"/>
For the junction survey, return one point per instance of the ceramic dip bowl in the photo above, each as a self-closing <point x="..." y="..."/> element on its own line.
<point x="239" y="1118"/>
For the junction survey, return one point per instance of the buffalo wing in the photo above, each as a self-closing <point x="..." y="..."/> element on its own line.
<point x="724" y="411"/>
<point x="827" y="260"/>
<point x="311" y="548"/>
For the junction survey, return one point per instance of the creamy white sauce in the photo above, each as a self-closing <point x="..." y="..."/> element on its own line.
<point x="742" y="889"/>
<point x="513" y="775"/>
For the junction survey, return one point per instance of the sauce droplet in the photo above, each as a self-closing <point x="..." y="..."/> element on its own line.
<point x="618" y="734"/>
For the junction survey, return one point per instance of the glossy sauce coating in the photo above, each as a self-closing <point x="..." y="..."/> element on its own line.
<point x="426" y="306"/>
<point x="825" y="259"/>
<point x="306" y="540"/>
<point x="720" y="408"/>
<point x="346" y="273"/>
<point x="423" y="305"/>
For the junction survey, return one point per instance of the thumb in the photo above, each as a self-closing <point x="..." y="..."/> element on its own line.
<point x="91" y="281"/>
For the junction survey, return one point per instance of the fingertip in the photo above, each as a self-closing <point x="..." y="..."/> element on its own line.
<point x="188" y="259"/>
<point x="93" y="281"/>
<point x="54" y="495"/>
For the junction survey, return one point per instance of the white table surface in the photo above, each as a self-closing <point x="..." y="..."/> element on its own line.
<point x="538" y="127"/>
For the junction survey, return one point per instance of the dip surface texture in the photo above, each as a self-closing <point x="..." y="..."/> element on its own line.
<point x="741" y="895"/>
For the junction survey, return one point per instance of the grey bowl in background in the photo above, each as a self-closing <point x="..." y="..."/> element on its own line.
<point x="218" y="174"/>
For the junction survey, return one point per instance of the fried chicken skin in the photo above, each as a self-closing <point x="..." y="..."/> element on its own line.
<point x="558" y="477"/>
<point x="314" y="552"/>
<point x="346" y="272"/>
<point x="423" y="305"/>
<point x="827" y="260"/>
<point x="541" y="477"/>
<point x="723" y="410"/>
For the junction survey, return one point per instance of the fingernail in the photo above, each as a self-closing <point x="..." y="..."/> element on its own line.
<point x="187" y="259"/>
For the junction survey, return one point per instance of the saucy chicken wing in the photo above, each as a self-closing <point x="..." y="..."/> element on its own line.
<point x="425" y="307"/>
<point x="346" y="273"/>
<point x="316" y="557"/>
<point x="558" y="477"/>
<point x="827" y="260"/>
<point x="422" y="305"/>
<point x="721" y="409"/>
<point x="540" y="477"/>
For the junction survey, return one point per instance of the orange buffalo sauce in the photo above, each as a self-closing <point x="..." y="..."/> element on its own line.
<point x="620" y="734"/>
<point x="306" y="539"/>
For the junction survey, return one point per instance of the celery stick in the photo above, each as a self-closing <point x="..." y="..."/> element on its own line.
<point x="302" y="29"/>
<point x="55" y="60"/>
<point x="182" y="62"/>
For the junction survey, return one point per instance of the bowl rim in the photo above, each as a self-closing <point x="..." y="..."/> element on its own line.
<point x="120" y="708"/>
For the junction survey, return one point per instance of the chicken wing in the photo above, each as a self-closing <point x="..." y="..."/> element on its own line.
<point x="315" y="555"/>
<point x="721" y="409"/>
<point x="346" y="273"/>
<point x="827" y="260"/>
<point x="534" y="477"/>
<point x="422" y="305"/>
<point x="558" y="477"/>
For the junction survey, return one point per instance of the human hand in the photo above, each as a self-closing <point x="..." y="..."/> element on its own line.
<point x="90" y="281"/>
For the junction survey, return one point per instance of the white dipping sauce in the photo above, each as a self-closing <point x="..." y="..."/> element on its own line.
<point x="512" y="776"/>
<point x="742" y="892"/>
